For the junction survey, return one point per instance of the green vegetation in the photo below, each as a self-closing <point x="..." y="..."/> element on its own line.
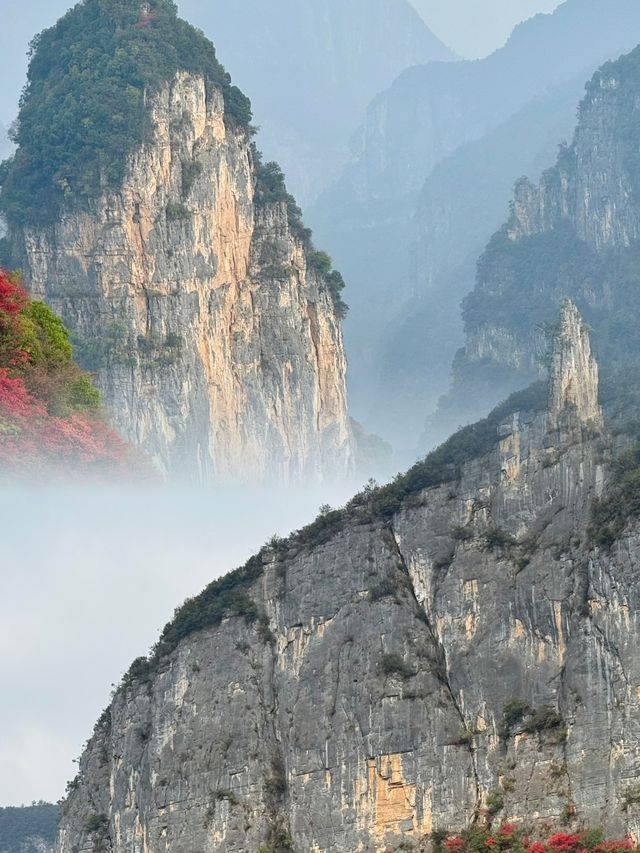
<point x="631" y="797"/>
<point x="445" y="464"/>
<point x="279" y="841"/>
<point x="84" y="109"/>
<point x="320" y="262"/>
<point x="519" y="713"/>
<point x="272" y="189"/>
<point x="95" y="353"/>
<point x="496" y="538"/>
<point x="221" y="599"/>
<point x="534" y="274"/>
<point x="176" y="212"/>
<point x="394" y="665"/>
<point x="626" y="72"/>
<point x="158" y="350"/>
<point x="276" y="784"/>
<point x="495" y="802"/>
<point x="611" y="514"/>
<point x="543" y="719"/>
<point x="191" y="171"/>
<point x="464" y="737"/>
<point x="386" y="588"/>
<point x="229" y="796"/>
<point x="512" y="714"/>
<point x="19" y="824"/>
<point x="96" y="823"/>
<point x="488" y="838"/>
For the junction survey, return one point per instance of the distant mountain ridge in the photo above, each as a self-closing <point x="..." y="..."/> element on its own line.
<point x="574" y="234"/>
<point x="366" y="219"/>
<point x="28" y="829"/>
<point x="312" y="66"/>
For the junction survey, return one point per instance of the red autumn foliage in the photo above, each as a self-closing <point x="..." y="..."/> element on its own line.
<point x="34" y="438"/>
<point x="512" y="839"/>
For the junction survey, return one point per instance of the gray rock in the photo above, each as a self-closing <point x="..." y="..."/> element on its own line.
<point x="366" y="707"/>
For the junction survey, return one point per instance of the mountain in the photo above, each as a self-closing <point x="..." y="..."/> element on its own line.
<point x="455" y="648"/>
<point x="5" y="143"/>
<point x="28" y="829"/>
<point x="576" y="233"/>
<point x="377" y="217"/>
<point x="312" y="66"/>
<point x="139" y="209"/>
<point x="486" y="26"/>
<point x="460" y="206"/>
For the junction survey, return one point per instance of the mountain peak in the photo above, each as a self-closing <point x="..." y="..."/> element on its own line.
<point x="573" y="389"/>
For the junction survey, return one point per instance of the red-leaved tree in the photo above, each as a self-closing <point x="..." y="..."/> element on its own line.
<point x="50" y="415"/>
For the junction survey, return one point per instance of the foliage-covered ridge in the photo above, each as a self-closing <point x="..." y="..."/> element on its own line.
<point x="23" y="829"/>
<point x="85" y="105"/>
<point x="50" y="416"/>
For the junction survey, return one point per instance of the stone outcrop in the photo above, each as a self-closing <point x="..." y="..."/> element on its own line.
<point x="573" y="386"/>
<point x="215" y="341"/>
<point x="410" y="664"/>
<point x="591" y="185"/>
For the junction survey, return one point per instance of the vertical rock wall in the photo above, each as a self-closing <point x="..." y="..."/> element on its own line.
<point x="216" y="344"/>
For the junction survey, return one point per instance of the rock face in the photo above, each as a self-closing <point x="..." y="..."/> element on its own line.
<point x="220" y="352"/>
<point x="414" y="665"/>
<point x="574" y="372"/>
<point x="576" y="235"/>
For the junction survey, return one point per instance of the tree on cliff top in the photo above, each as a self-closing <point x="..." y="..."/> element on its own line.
<point x="84" y="108"/>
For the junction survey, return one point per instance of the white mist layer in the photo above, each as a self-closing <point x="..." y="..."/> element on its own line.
<point x="89" y="576"/>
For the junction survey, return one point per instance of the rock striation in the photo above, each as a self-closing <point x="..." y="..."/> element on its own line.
<point x="574" y="372"/>
<point x="215" y="340"/>
<point x="449" y="649"/>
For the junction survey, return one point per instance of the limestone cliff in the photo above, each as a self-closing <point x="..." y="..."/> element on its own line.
<point x="574" y="372"/>
<point x="576" y="234"/>
<point x="226" y="356"/>
<point x="430" y="179"/>
<point x="447" y="649"/>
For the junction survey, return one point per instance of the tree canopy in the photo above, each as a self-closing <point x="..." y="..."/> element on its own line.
<point x="85" y="105"/>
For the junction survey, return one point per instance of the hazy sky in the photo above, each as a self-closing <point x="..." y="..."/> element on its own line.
<point x="475" y="28"/>
<point x="471" y="27"/>
<point x="88" y="579"/>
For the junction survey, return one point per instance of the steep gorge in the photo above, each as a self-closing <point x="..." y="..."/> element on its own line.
<point x="447" y="649"/>
<point x="431" y="172"/>
<point x="576" y="234"/>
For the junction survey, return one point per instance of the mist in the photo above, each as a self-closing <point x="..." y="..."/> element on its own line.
<point x="90" y="575"/>
<point x="475" y="29"/>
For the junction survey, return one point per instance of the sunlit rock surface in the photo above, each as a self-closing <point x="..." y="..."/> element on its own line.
<point x="225" y="356"/>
